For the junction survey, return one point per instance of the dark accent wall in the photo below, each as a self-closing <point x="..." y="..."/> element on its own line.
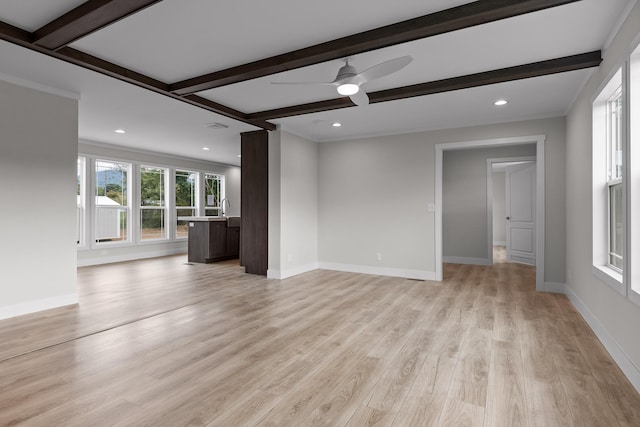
<point x="255" y="202"/>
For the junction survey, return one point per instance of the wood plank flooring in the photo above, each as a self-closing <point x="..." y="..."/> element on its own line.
<point x="162" y="343"/>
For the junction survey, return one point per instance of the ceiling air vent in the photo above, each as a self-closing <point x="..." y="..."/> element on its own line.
<point x="215" y="126"/>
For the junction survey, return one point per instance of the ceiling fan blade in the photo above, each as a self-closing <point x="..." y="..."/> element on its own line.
<point x="303" y="83"/>
<point x="360" y="98"/>
<point x="385" y="68"/>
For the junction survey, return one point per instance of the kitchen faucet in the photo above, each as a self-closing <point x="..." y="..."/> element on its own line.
<point x="222" y="203"/>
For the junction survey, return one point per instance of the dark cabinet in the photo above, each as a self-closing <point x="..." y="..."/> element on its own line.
<point x="211" y="241"/>
<point x="233" y="241"/>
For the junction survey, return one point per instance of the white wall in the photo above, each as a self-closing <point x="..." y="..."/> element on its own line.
<point x="92" y="256"/>
<point x="464" y="200"/>
<point x="373" y="196"/>
<point x="612" y="316"/>
<point x="499" y="208"/>
<point x="275" y="162"/>
<point x="372" y="200"/>
<point x="293" y="205"/>
<point x="38" y="155"/>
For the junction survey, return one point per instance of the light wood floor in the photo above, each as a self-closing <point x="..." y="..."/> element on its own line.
<point x="161" y="343"/>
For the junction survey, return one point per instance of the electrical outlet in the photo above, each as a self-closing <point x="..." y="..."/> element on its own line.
<point x="379" y="256"/>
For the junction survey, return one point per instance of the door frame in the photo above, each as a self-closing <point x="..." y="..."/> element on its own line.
<point x="539" y="140"/>
<point x="490" y="163"/>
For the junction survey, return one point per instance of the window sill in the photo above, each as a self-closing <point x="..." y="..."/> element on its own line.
<point x="610" y="277"/>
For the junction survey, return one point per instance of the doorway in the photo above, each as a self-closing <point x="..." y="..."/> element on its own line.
<point x="511" y="200"/>
<point x="538" y="233"/>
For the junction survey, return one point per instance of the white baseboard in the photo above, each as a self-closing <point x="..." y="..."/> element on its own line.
<point x="465" y="260"/>
<point x="556" y="288"/>
<point x="284" y="274"/>
<point x="499" y="243"/>
<point x="379" y="271"/>
<point x="37" y="305"/>
<point x="108" y="259"/>
<point x="617" y="353"/>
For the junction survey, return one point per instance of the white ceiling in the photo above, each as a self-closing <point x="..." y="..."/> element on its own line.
<point x="175" y="40"/>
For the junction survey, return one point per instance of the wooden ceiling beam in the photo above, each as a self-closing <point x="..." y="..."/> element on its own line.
<point x="536" y="69"/>
<point x="110" y="69"/>
<point x="457" y="18"/>
<point x="14" y="34"/>
<point x="84" y="20"/>
<point x="24" y="38"/>
<point x="104" y="67"/>
<point x="225" y="111"/>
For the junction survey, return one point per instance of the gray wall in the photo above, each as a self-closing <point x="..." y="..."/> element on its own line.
<point x="499" y="208"/>
<point x="610" y="313"/>
<point x="464" y="199"/>
<point x="38" y="155"/>
<point x="372" y="199"/>
<point x="293" y="205"/>
<point x="373" y="196"/>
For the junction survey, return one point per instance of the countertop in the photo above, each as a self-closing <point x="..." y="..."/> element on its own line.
<point x="202" y="218"/>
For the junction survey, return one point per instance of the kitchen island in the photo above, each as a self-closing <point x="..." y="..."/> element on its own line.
<point x="212" y="238"/>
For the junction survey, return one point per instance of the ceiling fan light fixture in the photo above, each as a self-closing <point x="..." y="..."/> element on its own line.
<point x="348" y="89"/>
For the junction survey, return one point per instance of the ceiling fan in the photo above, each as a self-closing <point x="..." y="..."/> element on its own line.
<point x="348" y="80"/>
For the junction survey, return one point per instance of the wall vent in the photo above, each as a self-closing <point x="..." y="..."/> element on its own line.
<point x="215" y="125"/>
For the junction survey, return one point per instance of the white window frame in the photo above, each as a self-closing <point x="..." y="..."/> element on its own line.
<point x="81" y="208"/>
<point x="220" y="208"/>
<point x="625" y="281"/>
<point x="127" y="208"/>
<point x="601" y="184"/>
<point x="197" y="198"/>
<point x="164" y="207"/>
<point x="614" y="177"/>
<point x="631" y="107"/>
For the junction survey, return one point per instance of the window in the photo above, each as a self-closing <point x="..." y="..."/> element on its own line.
<point x="153" y="205"/>
<point x="633" y="178"/>
<point x="213" y="196"/>
<point x="121" y="202"/>
<point x="80" y="202"/>
<point x="112" y="201"/>
<point x="186" y="190"/>
<point x="607" y="197"/>
<point x="614" y="180"/>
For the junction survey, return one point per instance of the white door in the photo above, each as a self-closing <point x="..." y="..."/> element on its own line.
<point x="521" y="213"/>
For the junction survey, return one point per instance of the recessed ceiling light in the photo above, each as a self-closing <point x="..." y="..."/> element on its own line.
<point x="336" y="124"/>
<point x="206" y="148"/>
<point x="120" y="131"/>
<point x="500" y="102"/>
<point x="239" y="155"/>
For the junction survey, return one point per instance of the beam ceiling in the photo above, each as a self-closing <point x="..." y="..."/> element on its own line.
<point x="536" y="69"/>
<point x="457" y="18"/>
<point x="52" y="39"/>
<point x="25" y="39"/>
